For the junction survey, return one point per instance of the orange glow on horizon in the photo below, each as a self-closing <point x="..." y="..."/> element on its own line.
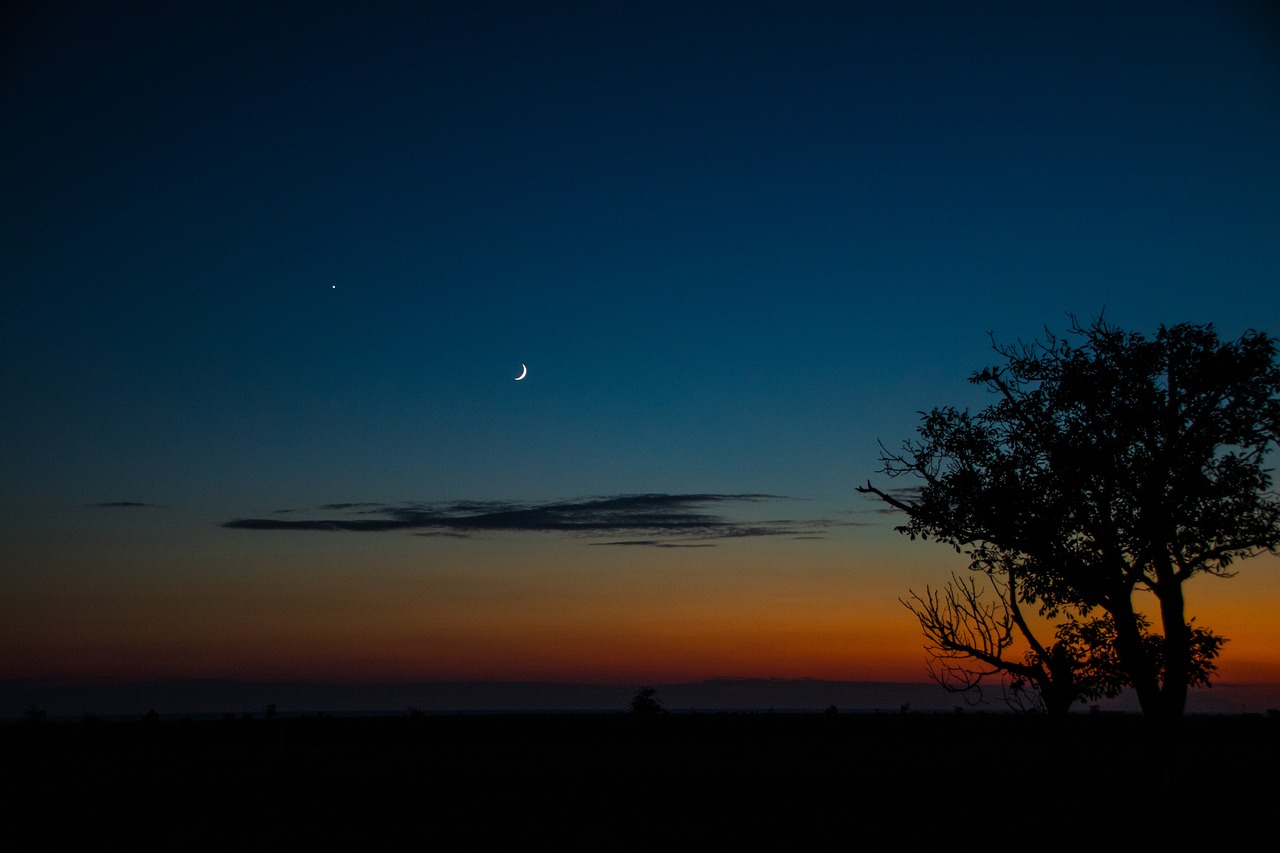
<point x="475" y="612"/>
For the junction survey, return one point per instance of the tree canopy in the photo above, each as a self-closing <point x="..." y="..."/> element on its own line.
<point x="1110" y="464"/>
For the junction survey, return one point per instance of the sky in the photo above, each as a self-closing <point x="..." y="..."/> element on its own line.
<point x="270" y="271"/>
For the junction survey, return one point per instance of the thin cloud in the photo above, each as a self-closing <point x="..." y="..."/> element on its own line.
<point x="658" y="543"/>
<point x="120" y="505"/>
<point x="653" y="519"/>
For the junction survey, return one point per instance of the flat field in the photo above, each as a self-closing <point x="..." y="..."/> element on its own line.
<point x="710" y="773"/>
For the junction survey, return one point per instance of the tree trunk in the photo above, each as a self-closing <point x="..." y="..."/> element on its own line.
<point x="1177" y="650"/>
<point x="1136" y="660"/>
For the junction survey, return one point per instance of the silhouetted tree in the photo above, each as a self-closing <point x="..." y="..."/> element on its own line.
<point x="1116" y="467"/>
<point x="644" y="702"/>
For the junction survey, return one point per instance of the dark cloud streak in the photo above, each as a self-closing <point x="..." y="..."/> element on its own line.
<point x="653" y="515"/>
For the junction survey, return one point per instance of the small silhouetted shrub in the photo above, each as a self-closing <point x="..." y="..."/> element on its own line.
<point x="644" y="704"/>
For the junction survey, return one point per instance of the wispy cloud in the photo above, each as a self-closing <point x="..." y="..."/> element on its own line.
<point x="657" y="543"/>
<point x="647" y="519"/>
<point x="119" y="505"/>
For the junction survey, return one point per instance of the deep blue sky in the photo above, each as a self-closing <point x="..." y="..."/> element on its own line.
<point x="265" y="256"/>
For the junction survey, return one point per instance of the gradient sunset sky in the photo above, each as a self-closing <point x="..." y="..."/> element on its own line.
<point x="270" y="271"/>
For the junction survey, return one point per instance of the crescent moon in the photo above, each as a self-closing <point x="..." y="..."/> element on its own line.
<point x="524" y="371"/>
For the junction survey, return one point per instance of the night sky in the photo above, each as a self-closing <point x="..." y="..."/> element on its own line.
<point x="270" y="270"/>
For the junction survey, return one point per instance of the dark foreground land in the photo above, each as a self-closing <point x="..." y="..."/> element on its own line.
<point x="669" y="773"/>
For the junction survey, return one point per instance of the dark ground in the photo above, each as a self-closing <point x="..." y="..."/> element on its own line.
<point x="711" y="775"/>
